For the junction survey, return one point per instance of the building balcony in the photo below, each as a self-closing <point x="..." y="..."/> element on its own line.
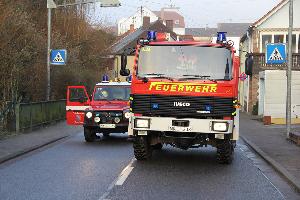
<point x="259" y="63"/>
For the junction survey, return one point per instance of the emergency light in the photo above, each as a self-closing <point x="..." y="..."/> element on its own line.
<point x="105" y="79"/>
<point x="151" y="35"/>
<point x="221" y="37"/>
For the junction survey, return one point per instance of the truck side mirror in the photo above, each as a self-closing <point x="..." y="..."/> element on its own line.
<point x="249" y="65"/>
<point x="124" y="71"/>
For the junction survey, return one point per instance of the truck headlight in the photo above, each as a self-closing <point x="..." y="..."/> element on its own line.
<point x="127" y="115"/>
<point x="220" y="126"/>
<point x="142" y="123"/>
<point x="89" y="115"/>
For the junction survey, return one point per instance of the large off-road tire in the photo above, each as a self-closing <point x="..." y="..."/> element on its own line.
<point x="89" y="135"/>
<point x="142" y="148"/>
<point x="224" y="151"/>
<point x="158" y="146"/>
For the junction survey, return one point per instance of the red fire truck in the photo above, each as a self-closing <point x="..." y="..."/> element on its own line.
<point x="184" y="94"/>
<point x="106" y="111"/>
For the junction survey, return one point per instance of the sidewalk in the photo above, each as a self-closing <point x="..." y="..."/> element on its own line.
<point x="23" y="143"/>
<point x="271" y="143"/>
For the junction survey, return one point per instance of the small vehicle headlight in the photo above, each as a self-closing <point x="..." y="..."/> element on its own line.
<point x="127" y="115"/>
<point x="89" y="115"/>
<point x="142" y="123"/>
<point x="97" y="119"/>
<point x="220" y="126"/>
<point x="117" y="120"/>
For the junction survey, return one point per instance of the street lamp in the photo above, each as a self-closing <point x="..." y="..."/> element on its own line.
<point x="52" y="5"/>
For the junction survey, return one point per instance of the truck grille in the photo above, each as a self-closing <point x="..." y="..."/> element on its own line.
<point x="182" y="106"/>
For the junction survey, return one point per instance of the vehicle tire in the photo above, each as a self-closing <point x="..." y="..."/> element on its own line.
<point x="142" y="148"/>
<point x="224" y="151"/>
<point x="89" y="135"/>
<point x="158" y="146"/>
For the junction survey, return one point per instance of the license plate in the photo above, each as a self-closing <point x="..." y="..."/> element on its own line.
<point x="107" y="126"/>
<point x="180" y="129"/>
<point x="142" y="132"/>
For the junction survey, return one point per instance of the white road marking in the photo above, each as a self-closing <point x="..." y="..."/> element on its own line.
<point x="119" y="180"/>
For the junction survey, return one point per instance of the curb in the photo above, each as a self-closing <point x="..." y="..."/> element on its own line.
<point x="278" y="167"/>
<point x="30" y="149"/>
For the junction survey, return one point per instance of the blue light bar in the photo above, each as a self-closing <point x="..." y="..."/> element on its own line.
<point x="105" y="79"/>
<point x="221" y="38"/>
<point x="129" y="79"/>
<point x="151" y="35"/>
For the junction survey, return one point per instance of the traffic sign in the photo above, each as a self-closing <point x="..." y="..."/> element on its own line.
<point x="276" y="53"/>
<point x="243" y="76"/>
<point x="58" y="57"/>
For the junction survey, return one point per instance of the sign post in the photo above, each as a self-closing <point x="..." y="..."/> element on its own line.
<point x="52" y="5"/>
<point x="289" y="73"/>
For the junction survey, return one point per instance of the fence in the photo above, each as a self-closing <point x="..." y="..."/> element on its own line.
<point x="29" y="115"/>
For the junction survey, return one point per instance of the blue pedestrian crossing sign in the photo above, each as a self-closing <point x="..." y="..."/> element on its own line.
<point x="276" y="53"/>
<point x="58" y="56"/>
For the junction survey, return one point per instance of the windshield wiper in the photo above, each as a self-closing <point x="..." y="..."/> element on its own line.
<point x="190" y="76"/>
<point x="156" y="75"/>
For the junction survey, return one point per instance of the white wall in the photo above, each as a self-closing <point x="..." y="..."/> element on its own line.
<point x="275" y="93"/>
<point x="136" y="20"/>
<point x="280" y="19"/>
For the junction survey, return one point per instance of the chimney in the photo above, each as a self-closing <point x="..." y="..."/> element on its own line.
<point x="146" y="21"/>
<point x="131" y="28"/>
<point x="170" y="24"/>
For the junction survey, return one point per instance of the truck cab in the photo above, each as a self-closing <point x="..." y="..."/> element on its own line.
<point x="105" y="111"/>
<point x="184" y="94"/>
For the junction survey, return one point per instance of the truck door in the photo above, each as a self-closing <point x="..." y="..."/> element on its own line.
<point x="77" y="102"/>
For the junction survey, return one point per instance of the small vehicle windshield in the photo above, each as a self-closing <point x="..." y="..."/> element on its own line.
<point x="185" y="62"/>
<point x="112" y="93"/>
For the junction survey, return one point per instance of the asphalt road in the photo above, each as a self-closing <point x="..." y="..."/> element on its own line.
<point x="73" y="169"/>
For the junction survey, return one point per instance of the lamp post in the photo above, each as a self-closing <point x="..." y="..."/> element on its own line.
<point x="52" y="5"/>
<point x="289" y="70"/>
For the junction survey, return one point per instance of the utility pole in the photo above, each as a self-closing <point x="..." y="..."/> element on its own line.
<point x="289" y="71"/>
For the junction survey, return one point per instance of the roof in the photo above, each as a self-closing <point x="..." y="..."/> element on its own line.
<point x="232" y="29"/>
<point x="131" y="39"/>
<point x="201" y="32"/>
<point x="171" y="15"/>
<point x="270" y="13"/>
<point x="114" y="84"/>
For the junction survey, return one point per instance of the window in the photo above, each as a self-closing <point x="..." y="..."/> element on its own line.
<point x="293" y="42"/>
<point x="278" y="38"/>
<point x="265" y="40"/>
<point x="299" y="43"/>
<point x="176" y="22"/>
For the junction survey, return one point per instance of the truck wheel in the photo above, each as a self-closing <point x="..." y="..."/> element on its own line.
<point x="158" y="146"/>
<point x="89" y="135"/>
<point x="224" y="151"/>
<point x="142" y="148"/>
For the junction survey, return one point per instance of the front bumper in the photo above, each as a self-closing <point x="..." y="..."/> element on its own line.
<point x="166" y="124"/>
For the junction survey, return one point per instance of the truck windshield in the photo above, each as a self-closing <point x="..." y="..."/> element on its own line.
<point x="112" y="93"/>
<point x="185" y="62"/>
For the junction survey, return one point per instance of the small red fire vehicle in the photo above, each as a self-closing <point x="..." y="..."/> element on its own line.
<point x="106" y="111"/>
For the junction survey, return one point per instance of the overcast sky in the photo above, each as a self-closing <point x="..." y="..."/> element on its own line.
<point x="197" y="13"/>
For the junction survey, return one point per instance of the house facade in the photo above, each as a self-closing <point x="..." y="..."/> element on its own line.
<point x="271" y="28"/>
<point x="170" y="17"/>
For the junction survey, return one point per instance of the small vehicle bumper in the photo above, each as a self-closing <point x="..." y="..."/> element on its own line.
<point x="168" y="124"/>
